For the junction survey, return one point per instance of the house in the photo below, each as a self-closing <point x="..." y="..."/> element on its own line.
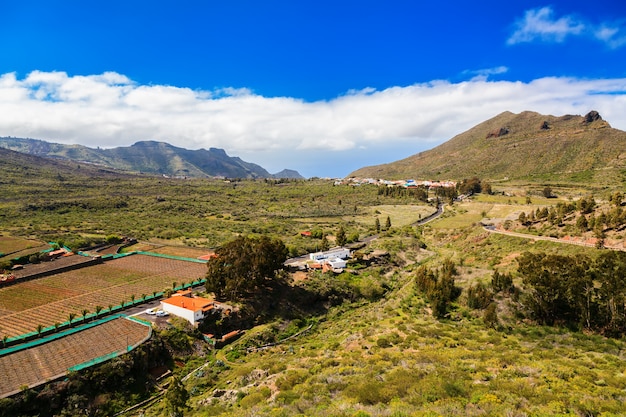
<point x="340" y="253"/>
<point x="185" y="305"/>
<point x="336" y="263"/>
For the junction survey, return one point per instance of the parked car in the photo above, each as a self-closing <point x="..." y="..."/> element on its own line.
<point x="162" y="313"/>
<point x="151" y="311"/>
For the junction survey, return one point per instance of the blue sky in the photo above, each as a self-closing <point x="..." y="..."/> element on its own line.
<point x="318" y="86"/>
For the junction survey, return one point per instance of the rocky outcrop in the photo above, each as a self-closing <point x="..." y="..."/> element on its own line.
<point x="498" y="132"/>
<point x="592" y="116"/>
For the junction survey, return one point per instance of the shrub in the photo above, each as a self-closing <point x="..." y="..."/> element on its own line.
<point x="479" y="296"/>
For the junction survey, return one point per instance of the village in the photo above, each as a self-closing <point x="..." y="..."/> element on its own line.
<point x="409" y="183"/>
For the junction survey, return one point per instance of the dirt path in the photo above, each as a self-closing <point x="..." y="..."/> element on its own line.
<point x="492" y="229"/>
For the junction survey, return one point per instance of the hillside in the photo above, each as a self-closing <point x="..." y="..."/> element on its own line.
<point x="514" y="146"/>
<point x="148" y="157"/>
<point x="20" y="168"/>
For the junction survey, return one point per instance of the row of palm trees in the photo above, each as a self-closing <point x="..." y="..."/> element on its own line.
<point x="71" y="319"/>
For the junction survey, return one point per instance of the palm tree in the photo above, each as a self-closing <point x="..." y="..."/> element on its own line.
<point x="143" y="297"/>
<point x="132" y="299"/>
<point x="98" y="310"/>
<point x="56" y="326"/>
<point x="84" y="313"/>
<point x="154" y="293"/>
<point x="70" y="317"/>
<point x="110" y="308"/>
<point x="5" y="339"/>
<point x="174" y="285"/>
<point x="39" y="329"/>
<point x="122" y="304"/>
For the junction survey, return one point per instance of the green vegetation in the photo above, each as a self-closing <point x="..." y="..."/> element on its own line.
<point x="244" y="266"/>
<point x="446" y="318"/>
<point x="516" y="147"/>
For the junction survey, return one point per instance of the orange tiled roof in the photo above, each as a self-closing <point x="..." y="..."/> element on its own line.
<point x="193" y="304"/>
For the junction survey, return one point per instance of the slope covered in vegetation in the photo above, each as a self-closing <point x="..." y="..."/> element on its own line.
<point x="527" y="145"/>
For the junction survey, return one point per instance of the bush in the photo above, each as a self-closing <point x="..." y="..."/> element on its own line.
<point x="478" y="296"/>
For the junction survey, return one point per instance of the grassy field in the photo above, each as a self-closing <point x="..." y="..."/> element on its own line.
<point x="383" y="355"/>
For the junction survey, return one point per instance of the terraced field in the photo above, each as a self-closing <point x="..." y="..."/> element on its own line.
<point x="50" y="300"/>
<point x="52" y="360"/>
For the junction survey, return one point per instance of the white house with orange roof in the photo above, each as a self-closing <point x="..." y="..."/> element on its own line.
<point x="185" y="305"/>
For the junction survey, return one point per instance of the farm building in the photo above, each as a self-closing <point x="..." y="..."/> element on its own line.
<point x="185" y="305"/>
<point x="335" y="253"/>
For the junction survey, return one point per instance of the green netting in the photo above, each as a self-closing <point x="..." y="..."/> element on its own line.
<point x="96" y="361"/>
<point x="117" y="255"/>
<point x="179" y="258"/>
<point x="55" y="336"/>
<point x="112" y="355"/>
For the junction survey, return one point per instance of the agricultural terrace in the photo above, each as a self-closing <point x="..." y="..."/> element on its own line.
<point x="50" y="300"/>
<point x="51" y="360"/>
<point x="14" y="247"/>
<point x="182" y="251"/>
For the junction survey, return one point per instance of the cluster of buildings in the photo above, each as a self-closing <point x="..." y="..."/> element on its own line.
<point x="398" y="183"/>
<point x="335" y="258"/>
<point x="194" y="309"/>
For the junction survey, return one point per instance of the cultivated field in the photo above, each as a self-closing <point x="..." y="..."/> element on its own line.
<point x="50" y="300"/>
<point x="14" y="247"/>
<point x="52" y="360"/>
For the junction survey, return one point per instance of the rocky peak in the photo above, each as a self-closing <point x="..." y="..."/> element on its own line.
<point x="592" y="116"/>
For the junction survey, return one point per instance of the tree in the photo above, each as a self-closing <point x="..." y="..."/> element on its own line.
<point x="98" y="310"/>
<point x="470" y="186"/>
<point x="490" y="317"/>
<point x="377" y="225"/>
<point x="388" y="223"/>
<point x="557" y="286"/>
<point x="324" y="245"/>
<point x="522" y="218"/>
<point x="547" y="192"/>
<point x="70" y="317"/>
<point x="84" y="313"/>
<point x="244" y="265"/>
<point x="176" y="398"/>
<point x="501" y="282"/>
<point x="341" y="236"/>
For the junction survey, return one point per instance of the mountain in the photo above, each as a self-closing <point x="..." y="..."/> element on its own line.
<point x="288" y="174"/>
<point x="148" y="157"/>
<point x="519" y="146"/>
<point x="21" y="168"/>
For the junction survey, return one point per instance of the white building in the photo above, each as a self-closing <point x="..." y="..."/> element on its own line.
<point x="336" y="263"/>
<point x="192" y="309"/>
<point x="338" y="253"/>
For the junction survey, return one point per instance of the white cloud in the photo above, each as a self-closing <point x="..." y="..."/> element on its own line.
<point x="540" y="24"/>
<point x="484" y="73"/>
<point x="360" y="128"/>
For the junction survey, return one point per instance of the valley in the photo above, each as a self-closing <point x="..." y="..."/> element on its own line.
<point x="510" y="302"/>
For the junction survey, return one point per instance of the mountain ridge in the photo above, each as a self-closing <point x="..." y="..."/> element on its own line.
<point x="151" y="157"/>
<point x="524" y="145"/>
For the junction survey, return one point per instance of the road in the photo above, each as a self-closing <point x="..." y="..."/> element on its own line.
<point x="492" y="229"/>
<point x="368" y="239"/>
